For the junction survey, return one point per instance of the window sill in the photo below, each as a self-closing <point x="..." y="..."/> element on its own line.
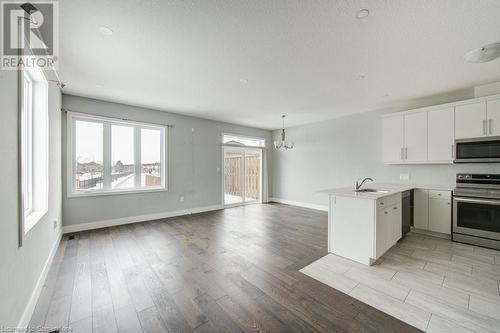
<point x="32" y="219"/>
<point x="116" y="192"/>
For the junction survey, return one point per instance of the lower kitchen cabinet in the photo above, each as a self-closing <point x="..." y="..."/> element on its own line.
<point x="388" y="228"/>
<point x="432" y="211"/>
<point x="440" y="215"/>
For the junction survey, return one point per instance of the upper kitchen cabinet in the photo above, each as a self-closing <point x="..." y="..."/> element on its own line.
<point x="415" y="137"/>
<point x="427" y="135"/>
<point x="441" y="136"/>
<point x="470" y="120"/>
<point x="493" y="115"/>
<point x="393" y="138"/>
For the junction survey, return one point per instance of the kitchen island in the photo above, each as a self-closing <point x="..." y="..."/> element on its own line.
<point x="362" y="226"/>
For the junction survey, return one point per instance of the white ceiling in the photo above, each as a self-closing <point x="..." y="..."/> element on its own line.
<point x="248" y="62"/>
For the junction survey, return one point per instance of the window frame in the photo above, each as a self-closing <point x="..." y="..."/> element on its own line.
<point x="247" y="137"/>
<point x="107" y="122"/>
<point x="27" y="143"/>
<point x="34" y="149"/>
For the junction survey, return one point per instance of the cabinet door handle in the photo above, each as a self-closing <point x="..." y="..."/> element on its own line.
<point x="452" y="151"/>
<point x="385" y="212"/>
<point x="394" y="208"/>
<point x="406" y="153"/>
<point x="402" y="154"/>
<point x="490" y="124"/>
<point x="484" y="127"/>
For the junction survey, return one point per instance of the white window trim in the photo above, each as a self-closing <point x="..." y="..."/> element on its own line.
<point x="27" y="149"/>
<point x="39" y="150"/>
<point x="243" y="137"/>
<point x="71" y="159"/>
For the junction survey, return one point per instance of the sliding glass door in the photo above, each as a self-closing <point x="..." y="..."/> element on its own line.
<point x="242" y="176"/>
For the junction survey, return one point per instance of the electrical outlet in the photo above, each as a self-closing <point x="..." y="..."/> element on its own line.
<point x="181" y="199"/>
<point x="55" y="224"/>
<point x="404" y="176"/>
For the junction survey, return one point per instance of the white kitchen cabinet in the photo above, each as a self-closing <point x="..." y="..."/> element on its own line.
<point x="470" y="120"/>
<point x="388" y="225"/>
<point x="382" y="231"/>
<point x="396" y="225"/>
<point x="441" y="135"/>
<point x="415" y="137"/>
<point x="427" y="135"/>
<point x="440" y="215"/>
<point x="421" y="209"/>
<point x="392" y="138"/>
<point x="362" y="228"/>
<point x="419" y="137"/>
<point x="432" y="210"/>
<point x="493" y="115"/>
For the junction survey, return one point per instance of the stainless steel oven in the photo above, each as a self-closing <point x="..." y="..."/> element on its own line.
<point x="476" y="210"/>
<point x="479" y="150"/>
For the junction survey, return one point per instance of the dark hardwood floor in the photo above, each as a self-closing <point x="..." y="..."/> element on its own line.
<point x="226" y="271"/>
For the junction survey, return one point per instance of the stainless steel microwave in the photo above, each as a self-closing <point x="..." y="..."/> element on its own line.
<point x="479" y="150"/>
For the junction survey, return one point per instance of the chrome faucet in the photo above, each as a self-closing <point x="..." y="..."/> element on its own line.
<point x="358" y="184"/>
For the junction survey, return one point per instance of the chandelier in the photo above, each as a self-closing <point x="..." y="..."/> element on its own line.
<point x="283" y="144"/>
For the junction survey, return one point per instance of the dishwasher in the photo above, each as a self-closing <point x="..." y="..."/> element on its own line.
<point x="406" y="212"/>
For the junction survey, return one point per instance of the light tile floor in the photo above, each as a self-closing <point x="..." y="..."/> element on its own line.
<point x="433" y="284"/>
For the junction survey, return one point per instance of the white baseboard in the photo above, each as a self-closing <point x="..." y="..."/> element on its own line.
<point x="135" y="219"/>
<point x="300" y="204"/>
<point x="30" y="307"/>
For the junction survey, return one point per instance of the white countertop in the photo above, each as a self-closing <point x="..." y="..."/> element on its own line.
<point x="391" y="188"/>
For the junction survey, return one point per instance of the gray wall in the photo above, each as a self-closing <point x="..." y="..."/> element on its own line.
<point x="193" y="160"/>
<point x="21" y="267"/>
<point x="335" y="153"/>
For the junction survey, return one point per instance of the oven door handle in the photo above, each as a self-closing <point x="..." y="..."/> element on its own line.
<point x="479" y="201"/>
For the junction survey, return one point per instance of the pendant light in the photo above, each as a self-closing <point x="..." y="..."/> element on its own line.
<point x="283" y="144"/>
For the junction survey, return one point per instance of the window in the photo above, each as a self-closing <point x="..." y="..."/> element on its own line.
<point x="110" y="156"/>
<point x="34" y="149"/>
<point x="229" y="139"/>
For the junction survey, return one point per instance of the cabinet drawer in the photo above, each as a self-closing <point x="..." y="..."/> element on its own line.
<point x="388" y="201"/>
<point x="439" y="194"/>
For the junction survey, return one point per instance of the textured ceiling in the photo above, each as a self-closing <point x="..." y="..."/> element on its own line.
<point x="248" y="62"/>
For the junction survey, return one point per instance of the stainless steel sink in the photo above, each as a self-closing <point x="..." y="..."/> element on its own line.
<point x="371" y="190"/>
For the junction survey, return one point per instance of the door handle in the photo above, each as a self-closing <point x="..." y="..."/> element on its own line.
<point x="484" y="127"/>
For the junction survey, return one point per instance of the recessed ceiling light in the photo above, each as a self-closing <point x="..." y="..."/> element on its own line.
<point x="243" y="81"/>
<point x="483" y="54"/>
<point x="107" y="31"/>
<point x="362" y="13"/>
